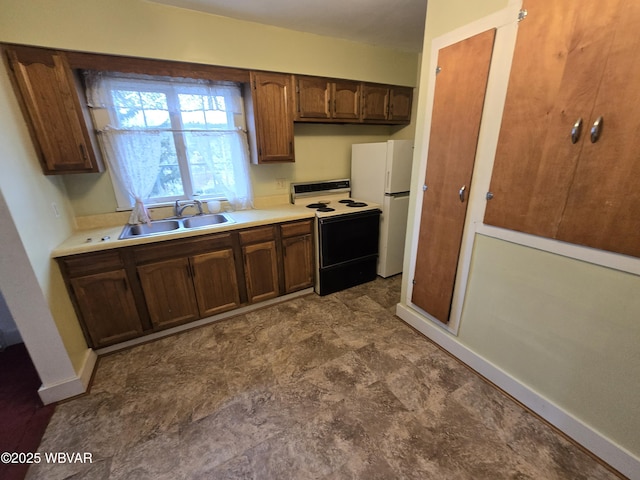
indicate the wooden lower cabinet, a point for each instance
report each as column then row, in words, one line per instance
column 169, row 293
column 124, row 293
column 297, row 255
column 215, row 282
column 261, row 271
column 107, row 307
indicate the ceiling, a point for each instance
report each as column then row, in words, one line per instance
column 396, row 24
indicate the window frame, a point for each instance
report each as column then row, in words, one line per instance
column 178, row 131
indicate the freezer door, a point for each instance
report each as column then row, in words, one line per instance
column 393, row 230
column 398, row 169
column 368, row 171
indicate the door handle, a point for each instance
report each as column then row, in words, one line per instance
column 461, row 193
column 576, row 131
column 596, row 130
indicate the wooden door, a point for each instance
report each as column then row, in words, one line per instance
column 107, row 307
column 375, row 102
column 48, row 90
column 215, row 282
column 169, row 293
column 400, row 104
column 261, row 271
column 603, row 206
column 298, row 262
column 345, row 97
column 558, row 63
column 273, row 116
column 313, row 97
column 459, row 98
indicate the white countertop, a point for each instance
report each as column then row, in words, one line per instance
column 84, row 241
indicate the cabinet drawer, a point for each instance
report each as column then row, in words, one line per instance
column 254, row 235
column 181, row 248
column 88, row 264
column 296, row 228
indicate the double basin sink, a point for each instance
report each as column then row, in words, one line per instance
column 170, row 225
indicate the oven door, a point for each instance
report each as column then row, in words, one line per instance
column 348, row 237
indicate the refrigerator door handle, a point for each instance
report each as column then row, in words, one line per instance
column 397, row 194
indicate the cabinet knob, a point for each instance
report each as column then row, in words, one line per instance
column 461, row 192
column 596, row 130
column 576, row 131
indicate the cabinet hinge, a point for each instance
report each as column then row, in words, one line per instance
column 522, row 14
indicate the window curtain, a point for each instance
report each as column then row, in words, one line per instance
column 133, row 155
column 134, row 158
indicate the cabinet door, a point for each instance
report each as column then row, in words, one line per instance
column 313, row 98
column 345, row 100
column 400, row 104
column 261, row 270
column 168, row 290
column 558, row 63
column 215, row 282
column 57, row 119
column 375, row 102
column 273, row 117
column 298, row 262
column 107, row 307
column 457, row 110
column 603, row 206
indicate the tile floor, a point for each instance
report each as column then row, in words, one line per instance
column 331, row 387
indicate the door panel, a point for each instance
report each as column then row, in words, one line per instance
column 168, row 290
column 457, row 110
column 215, row 282
column 599, row 211
column 557, row 67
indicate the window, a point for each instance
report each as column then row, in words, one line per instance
column 168, row 139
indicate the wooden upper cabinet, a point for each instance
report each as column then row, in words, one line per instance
column 573, row 63
column 59, row 121
column 375, row 102
column 400, row 100
column 320, row 99
column 386, row 104
column 271, row 113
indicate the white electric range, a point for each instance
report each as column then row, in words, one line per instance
column 346, row 234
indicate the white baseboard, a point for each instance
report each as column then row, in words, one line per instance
column 73, row 386
column 619, row 458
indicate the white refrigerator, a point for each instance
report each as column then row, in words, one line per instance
column 381, row 173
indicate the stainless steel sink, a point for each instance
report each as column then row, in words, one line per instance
column 204, row 220
column 159, row 227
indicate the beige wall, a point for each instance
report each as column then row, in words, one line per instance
column 29, row 196
column 564, row 328
column 139, row 28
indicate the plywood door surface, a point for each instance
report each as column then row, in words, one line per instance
column 603, row 205
column 457, row 110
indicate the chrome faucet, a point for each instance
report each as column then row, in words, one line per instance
column 179, row 209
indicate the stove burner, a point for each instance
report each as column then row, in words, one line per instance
column 326, row 209
column 356, row 204
column 317, row 205
column 346, row 200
